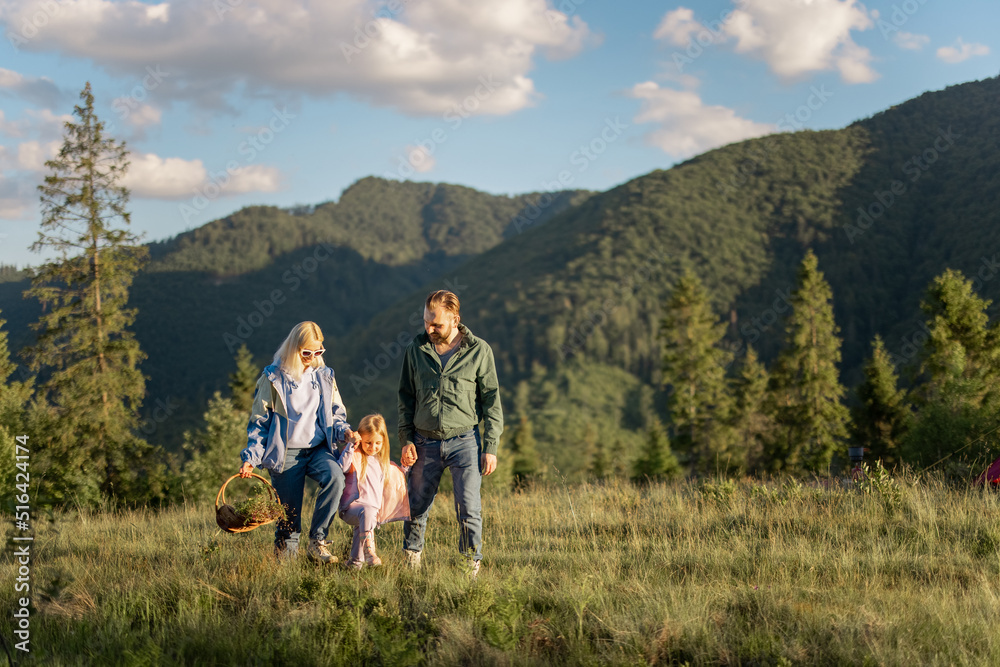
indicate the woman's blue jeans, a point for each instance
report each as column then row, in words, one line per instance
column 316, row 463
column 460, row 455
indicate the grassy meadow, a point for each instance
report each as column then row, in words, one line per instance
column 718, row 572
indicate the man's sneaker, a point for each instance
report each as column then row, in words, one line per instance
column 412, row 559
column 472, row 567
column 368, row 547
column 319, row 552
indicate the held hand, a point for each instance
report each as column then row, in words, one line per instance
column 246, row 469
column 352, row 437
column 488, row 463
column 409, row 455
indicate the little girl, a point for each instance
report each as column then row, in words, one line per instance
column 370, row 479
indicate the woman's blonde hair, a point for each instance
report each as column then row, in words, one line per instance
column 374, row 424
column 288, row 358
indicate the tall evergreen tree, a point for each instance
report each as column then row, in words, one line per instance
column 962, row 357
column 526, row 464
column 881, row 416
column 959, row 391
column 656, row 463
column 813, row 421
column 214, row 450
column 593, row 445
column 93, row 382
column 14, row 397
column 243, row 382
column 694, row 366
column 753, row 419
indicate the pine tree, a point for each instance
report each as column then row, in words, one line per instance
column 93, row 386
column 753, row 419
column 243, row 382
column 881, row 416
column 14, row 397
column 694, row 366
column 958, row 396
column 526, row 464
column 813, row 421
column 214, row 449
column 961, row 361
column 656, row 462
column 593, row 445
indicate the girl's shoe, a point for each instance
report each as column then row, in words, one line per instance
column 350, row 564
column 369, row 550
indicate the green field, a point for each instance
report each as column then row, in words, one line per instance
column 702, row 573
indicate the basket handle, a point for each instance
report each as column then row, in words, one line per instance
column 222, row 491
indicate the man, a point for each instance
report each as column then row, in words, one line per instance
column 448, row 384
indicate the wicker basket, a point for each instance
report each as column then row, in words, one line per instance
column 226, row 516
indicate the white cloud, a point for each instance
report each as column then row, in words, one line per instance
column 677, row 27
column 47, row 124
column 155, row 177
column 37, row 90
column 423, row 59
column 910, row 41
column 144, row 116
column 796, row 37
column 32, row 155
column 686, row 126
column 961, row 51
column 421, row 161
column 11, row 128
column 13, row 206
column 255, row 178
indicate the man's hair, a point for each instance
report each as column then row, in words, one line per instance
column 443, row 299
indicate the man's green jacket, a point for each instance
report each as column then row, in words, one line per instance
column 442, row 404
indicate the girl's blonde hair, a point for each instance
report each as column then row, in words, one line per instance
column 374, row 424
column 288, row 358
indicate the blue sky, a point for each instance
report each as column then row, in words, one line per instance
column 227, row 103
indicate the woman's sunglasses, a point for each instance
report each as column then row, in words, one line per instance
column 309, row 354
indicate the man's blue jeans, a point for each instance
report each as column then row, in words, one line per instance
column 460, row 455
column 316, row 463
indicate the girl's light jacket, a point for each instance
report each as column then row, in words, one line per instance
column 267, row 431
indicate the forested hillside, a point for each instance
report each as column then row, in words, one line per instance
column 576, row 302
column 573, row 307
column 248, row 277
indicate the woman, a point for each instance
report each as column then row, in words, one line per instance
column 296, row 418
